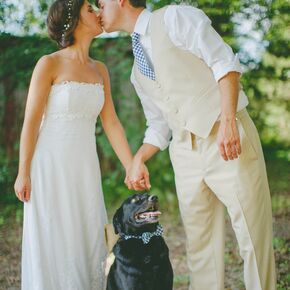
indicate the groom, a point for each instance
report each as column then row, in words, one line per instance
column 187, row 79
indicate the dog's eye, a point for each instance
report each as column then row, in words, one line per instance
column 135, row 199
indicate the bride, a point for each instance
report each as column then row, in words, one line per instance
column 59, row 181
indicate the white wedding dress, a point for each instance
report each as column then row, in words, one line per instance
column 63, row 245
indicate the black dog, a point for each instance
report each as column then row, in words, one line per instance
column 141, row 255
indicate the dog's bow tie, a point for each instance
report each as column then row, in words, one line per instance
column 145, row 237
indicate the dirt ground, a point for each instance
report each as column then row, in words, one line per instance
column 10, row 254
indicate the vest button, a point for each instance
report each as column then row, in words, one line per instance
column 167, row 98
column 176, row 111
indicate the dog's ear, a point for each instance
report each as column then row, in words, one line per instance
column 117, row 220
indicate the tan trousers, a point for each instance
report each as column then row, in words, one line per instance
column 205, row 184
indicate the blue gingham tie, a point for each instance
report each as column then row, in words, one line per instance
column 138, row 52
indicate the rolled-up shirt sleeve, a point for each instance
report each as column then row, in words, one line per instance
column 158, row 132
column 190, row 29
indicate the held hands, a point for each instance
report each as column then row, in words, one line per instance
column 137, row 176
column 22, row 187
column 228, row 139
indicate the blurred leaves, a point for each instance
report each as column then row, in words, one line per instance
column 266, row 81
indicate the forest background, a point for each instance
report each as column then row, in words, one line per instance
column 258, row 30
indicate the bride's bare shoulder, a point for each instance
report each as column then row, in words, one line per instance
column 48, row 60
column 54, row 58
column 47, row 66
column 99, row 64
column 51, row 62
column 101, row 67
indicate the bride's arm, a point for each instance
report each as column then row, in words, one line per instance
column 112, row 125
column 37, row 95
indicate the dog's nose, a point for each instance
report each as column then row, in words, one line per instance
column 153, row 198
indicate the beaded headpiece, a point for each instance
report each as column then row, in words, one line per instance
column 69, row 16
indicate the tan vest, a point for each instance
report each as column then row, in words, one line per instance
column 185, row 89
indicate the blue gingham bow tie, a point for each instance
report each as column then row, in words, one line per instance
column 142, row 62
column 146, row 237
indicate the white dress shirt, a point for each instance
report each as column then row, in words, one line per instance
column 190, row 29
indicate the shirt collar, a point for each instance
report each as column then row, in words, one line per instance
column 142, row 22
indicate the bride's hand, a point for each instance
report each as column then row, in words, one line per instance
column 137, row 176
column 22, row 187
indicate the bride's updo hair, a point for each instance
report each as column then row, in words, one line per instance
column 62, row 20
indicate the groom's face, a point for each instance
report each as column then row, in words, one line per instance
column 110, row 13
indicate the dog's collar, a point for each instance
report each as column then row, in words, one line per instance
column 146, row 236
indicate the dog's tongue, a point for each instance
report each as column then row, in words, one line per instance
column 150, row 214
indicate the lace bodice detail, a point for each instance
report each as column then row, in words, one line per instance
column 70, row 100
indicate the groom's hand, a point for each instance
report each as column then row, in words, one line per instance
column 228, row 139
column 137, row 177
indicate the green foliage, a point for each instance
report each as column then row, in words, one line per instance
column 266, row 84
column 23, row 17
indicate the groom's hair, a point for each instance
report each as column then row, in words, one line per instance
column 63, row 13
column 134, row 3
column 138, row 3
